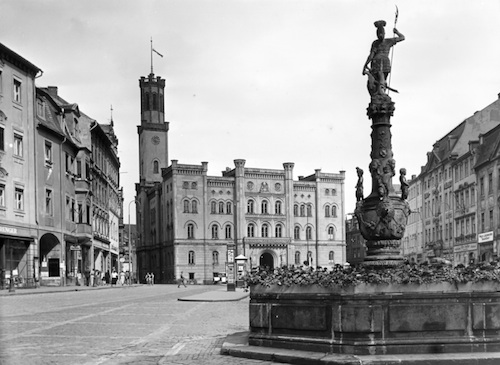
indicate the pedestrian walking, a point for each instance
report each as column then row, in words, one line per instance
column 122, row 278
column 181, row 281
column 152, row 278
column 114, row 277
column 147, row 278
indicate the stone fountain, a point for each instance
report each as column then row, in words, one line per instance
column 378, row 319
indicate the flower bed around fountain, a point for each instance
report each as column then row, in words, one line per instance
column 409, row 309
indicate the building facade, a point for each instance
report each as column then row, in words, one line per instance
column 446, row 204
column 60, row 199
column 18, row 219
column 190, row 222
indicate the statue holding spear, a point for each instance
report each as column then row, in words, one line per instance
column 380, row 65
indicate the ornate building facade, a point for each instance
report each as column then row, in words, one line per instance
column 453, row 197
column 191, row 222
column 60, row 201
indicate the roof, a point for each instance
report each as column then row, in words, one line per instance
column 17, row 60
column 488, row 148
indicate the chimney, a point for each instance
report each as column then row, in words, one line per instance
column 52, row 90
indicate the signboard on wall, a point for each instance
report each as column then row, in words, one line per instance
column 485, row 237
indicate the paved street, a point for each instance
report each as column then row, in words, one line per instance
column 132, row 325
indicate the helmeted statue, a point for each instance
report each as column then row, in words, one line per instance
column 379, row 59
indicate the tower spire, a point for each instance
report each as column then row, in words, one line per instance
column 111, row 115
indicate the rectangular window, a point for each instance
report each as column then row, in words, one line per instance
column 18, row 145
column 48, row 202
column 48, row 151
column 17, row 91
column 68, row 208
column 88, row 214
column 491, row 220
column 40, row 108
column 79, row 168
column 80, row 213
column 19, row 199
column 2, row 195
column 73, row 210
column 2, row 138
column 490, row 183
column 481, row 186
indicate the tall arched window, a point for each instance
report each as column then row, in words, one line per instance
column 194, row 206
column 251, row 230
column 228, row 207
column 309, row 210
column 250, row 207
column 191, row 258
column 221, row 207
column 296, row 210
column 215, row 231
column 213, row 207
column 156, row 167
column 215, row 258
column 334, row 211
column 331, row 233
column 228, row 231
column 265, row 230
column 186, row 206
column 296, row 232
column 297, row 257
column 327, row 211
column 278, row 230
column 309, row 233
column 264, row 207
column 190, row 231
column 302, row 210
column 277, row 207
column 331, row 257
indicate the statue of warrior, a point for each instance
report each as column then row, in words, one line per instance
column 379, row 59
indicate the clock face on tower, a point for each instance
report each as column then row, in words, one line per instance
column 155, row 140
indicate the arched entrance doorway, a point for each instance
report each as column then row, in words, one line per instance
column 50, row 255
column 266, row 260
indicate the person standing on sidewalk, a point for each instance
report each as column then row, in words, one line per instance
column 181, row 281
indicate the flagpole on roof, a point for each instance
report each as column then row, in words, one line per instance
column 152, row 56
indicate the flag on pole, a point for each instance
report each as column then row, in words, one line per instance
column 158, row 53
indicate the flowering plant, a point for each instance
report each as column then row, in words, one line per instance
column 351, row 276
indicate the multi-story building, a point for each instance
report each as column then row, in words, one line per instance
column 487, row 170
column 199, row 224
column 18, row 218
column 55, row 209
column 355, row 243
column 446, row 193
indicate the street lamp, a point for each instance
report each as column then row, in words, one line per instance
column 130, row 245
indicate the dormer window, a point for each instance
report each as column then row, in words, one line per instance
column 40, row 108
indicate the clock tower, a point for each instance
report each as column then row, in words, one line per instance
column 153, row 131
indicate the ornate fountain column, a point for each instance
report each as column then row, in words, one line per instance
column 382, row 215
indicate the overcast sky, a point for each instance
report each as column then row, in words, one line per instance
column 269, row 81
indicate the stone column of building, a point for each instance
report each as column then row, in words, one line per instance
column 240, row 221
column 289, row 198
column 317, row 173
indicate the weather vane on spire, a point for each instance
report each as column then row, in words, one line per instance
column 158, row 53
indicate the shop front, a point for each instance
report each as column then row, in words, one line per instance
column 465, row 254
column 485, row 241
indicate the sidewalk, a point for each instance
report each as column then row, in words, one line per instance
column 60, row 289
column 237, row 345
column 219, row 295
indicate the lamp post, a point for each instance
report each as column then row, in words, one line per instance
column 130, row 245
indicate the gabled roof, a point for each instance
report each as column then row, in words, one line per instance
column 488, row 148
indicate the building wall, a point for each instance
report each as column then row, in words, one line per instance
column 18, row 243
column 447, row 194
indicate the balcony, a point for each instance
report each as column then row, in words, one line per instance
column 267, row 242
